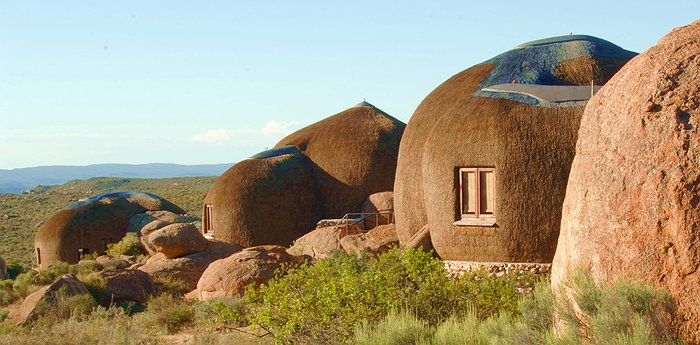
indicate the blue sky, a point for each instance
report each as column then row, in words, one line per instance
column 217, row 81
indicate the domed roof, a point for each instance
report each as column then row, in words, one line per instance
column 275, row 152
column 553, row 72
column 129, row 194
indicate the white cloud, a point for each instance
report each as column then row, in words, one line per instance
column 213, row 135
column 278, row 127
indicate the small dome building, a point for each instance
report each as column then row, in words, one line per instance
column 89, row 225
column 485, row 158
column 321, row 171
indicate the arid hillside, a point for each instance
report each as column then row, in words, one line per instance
column 22, row 214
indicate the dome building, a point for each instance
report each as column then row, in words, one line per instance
column 485, row 158
column 324, row 170
column 89, row 225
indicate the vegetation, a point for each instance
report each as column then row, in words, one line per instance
column 326, row 301
column 403, row 296
column 21, row 215
column 622, row 313
column 129, row 245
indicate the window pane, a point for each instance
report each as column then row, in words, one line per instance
column 487, row 185
column 468, row 192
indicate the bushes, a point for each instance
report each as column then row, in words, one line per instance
column 165, row 311
column 129, row 245
column 621, row 313
column 326, row 301
column 222, row 312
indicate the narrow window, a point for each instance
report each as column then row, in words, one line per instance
column 478, row 194
column 208, row 211
column 38, row 256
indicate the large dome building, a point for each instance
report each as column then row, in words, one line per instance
column 324, row 170
column 485, row 158
column 89, row 225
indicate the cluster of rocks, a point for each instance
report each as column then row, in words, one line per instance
column 497, row 269
column 123, row 285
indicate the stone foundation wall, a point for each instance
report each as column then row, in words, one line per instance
column 498, row 269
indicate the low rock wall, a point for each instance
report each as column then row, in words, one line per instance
column 498, row 269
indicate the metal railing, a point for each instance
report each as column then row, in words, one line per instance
column 354, row 218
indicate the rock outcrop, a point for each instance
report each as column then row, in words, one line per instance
column 375, row 241
column 631, row 206
column 65, row 286
column 176, row 240
column 107, row 261
column 188, row 268
column 319, row 243
column 381, row 203
column 229, row 277
column 127, row 285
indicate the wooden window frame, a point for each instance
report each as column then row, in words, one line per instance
column 479, row 218
column 207, row 218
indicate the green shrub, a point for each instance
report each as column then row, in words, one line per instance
column 326, row 301
column 394, row 329
column 64, row 307
column 615, row 313
column 130, row 244
column 102, row 326
column 620, row 313
column 222, row 313
column 167, row 312
column 7, row 292
column 169, row 286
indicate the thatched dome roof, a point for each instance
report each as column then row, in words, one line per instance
column 271, row 198
column 519, row 113
column 354, row 153
column 94, row 222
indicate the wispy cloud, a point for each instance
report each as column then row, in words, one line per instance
column 278, row 127
column 213, row 135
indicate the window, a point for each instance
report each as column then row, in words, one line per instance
column 477, row 196
column 207, row 226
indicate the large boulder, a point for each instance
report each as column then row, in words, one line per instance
column 320, row 242
column 65, row 286
column 188, row 268
column 177, row 240
column 420, row 239
column 107, row 261
column 631, row 206
column 229, row 277
column 381, row 203
column 127, row 285
column 375, row 241
column 147, row 222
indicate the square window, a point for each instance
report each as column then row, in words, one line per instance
column 477, row 196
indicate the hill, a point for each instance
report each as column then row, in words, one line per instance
column 19, row 180
column 22, row 214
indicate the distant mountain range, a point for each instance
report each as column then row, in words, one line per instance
column 16, row 181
